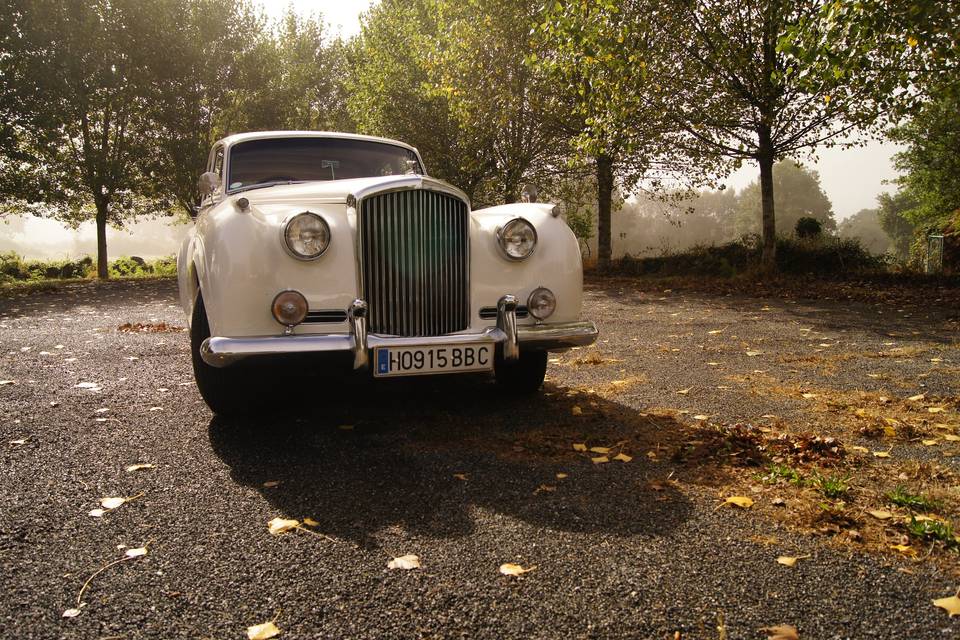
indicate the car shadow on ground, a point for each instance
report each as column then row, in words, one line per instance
column 423, row 454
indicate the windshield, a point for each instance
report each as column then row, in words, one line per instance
column 285, row 160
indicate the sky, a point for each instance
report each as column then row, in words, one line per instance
column 851, row 178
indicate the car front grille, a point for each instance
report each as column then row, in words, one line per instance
column 415, row 262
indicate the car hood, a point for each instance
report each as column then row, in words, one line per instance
column 341, row 191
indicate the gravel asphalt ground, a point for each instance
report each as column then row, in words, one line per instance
column 447, row 469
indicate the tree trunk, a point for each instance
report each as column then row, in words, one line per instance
column 102, row 271
column 765, row 159
column 604, row 205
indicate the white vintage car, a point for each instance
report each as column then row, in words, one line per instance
column 338, row 248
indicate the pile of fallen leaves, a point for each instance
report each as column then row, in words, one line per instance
column 142, row 327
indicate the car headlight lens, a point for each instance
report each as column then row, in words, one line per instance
column 289, row 308
column 542, row 303
column 517, row 239
column 306, row 235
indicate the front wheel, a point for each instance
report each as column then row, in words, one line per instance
column 222, row 389
column 522, row 376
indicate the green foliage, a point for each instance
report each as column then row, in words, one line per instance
column 828, row 258
column 807, row 227
column 932, row 530
column 782, row 472
column 833, row 486
column 14, row 268
column 902, row 497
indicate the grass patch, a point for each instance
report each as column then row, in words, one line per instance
column 833, row 486
column 932, row 530
column 781, row 473
column 902, row 497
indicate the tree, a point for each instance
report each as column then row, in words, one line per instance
column 930, row 163
column 798, row 194
column 864, row 226
column 898, row 228
column 589, row 54
column 74, row 100
column 391, row 89
column 732, row 95
column 893, row 50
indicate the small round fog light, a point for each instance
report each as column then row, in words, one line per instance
column 542, row 303
column 289, row 308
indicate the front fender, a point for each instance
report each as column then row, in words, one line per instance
column 555, row 263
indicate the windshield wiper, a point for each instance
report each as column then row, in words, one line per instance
column 272, row 183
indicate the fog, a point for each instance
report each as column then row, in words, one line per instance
column 43, row 238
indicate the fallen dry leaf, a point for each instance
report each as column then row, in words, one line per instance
column 880, row 514
column 754, row 353
column 579, row 447
column 684, row 392
column 136, row 553
column 715, row 332
column 622, row 457
column 345, row 427
column 701, row 417
column 409, row 561
column 310, row 522
column 460, row 476
column 4, row 383
column 561, row 476
column 576, row 410
column 70, row 613
column 790, row 561
column 600, row 460
column 881, row 454
column 741, row 501
column 917, row 398
column 282, row 525
column 781, row 632
column 951, row 437
column 138, row 466
column 96, row 513
column 263, row 631
column 936, row 409
column 270, row 484
column 928, row 443
column 905, row 549
column 809, row 395
column 114, row 502
column 951, row 605
column 511, row 569
column 600, row 449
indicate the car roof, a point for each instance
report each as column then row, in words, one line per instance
column 260, row 135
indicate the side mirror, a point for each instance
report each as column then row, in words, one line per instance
column 208, row 183
column 528, row 194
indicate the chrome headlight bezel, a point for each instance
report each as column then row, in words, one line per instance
column 502, row 231
column 285, row 239
column 531, row 306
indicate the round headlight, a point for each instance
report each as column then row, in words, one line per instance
column 517, row 239
column 306, row 236
column 542, row 303
column 289, row 308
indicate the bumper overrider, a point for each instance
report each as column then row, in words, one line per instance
column 222, row 352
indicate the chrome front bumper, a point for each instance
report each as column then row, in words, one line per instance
column 222, row 352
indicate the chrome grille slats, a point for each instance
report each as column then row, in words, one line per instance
column 415, row 262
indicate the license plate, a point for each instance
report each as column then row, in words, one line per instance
column 449, row 358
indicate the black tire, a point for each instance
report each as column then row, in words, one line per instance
column 523, row 376
column 224, row 391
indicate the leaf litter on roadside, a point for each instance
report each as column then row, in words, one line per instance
column 515, row 570
column 407, row 562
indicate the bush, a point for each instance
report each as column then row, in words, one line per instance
column 13, row 268
column 808, row 228
column 830, row 257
